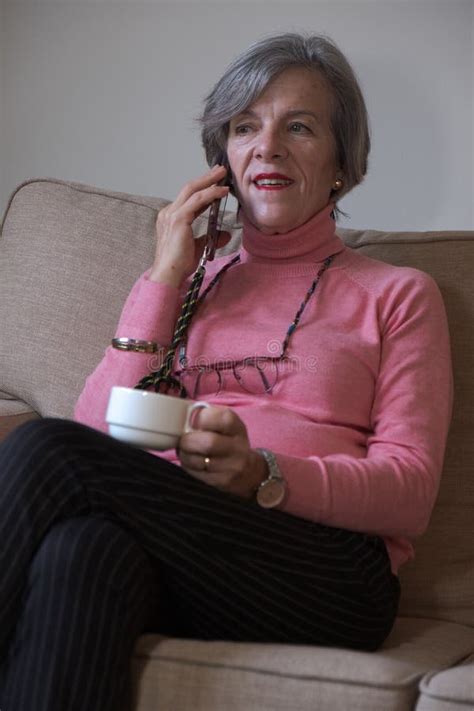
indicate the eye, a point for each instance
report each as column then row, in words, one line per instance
column 298, row 127
column 242, row 129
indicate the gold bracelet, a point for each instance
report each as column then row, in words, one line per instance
column 135, row 345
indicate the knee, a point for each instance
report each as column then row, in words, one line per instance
column 86, row 553
column 40, row 440
column 42, row 430
column 38, row 433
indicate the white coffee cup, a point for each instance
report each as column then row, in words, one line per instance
column 148, row 419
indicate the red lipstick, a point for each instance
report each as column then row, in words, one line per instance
column 272, row 181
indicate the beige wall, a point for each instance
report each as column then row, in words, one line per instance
column 106, row 91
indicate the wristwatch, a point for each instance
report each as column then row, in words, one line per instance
column 272, row 490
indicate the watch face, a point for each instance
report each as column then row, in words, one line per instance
column 271, row 493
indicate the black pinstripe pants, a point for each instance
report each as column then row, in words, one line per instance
column 101, row 541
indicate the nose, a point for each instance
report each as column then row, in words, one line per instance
column 270, row 144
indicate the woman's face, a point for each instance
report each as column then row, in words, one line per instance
column 282, row 152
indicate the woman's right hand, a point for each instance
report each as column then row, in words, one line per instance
column 177, row 251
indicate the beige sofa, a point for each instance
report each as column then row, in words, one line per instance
column 69, row 254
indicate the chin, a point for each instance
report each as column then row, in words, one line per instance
column 273, row 224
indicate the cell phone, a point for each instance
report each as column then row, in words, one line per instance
column 212, row 230
column 213, row 223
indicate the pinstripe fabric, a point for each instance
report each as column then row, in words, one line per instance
column 226, row 568
column 89, row 594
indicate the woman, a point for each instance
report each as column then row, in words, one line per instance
column 286, row 516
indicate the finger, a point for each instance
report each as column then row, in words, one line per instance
column 203, row 443
column 222, row 420
column 197, row 203
column 212, row 473
column 211, row 178
column 196, row 462
column 204, row 467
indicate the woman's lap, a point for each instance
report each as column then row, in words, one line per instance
column 228, row 569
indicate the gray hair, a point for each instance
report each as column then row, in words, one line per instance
column 251, row 72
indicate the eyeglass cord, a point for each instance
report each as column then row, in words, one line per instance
column 163, row 376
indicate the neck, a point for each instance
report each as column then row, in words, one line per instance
column 311, row 242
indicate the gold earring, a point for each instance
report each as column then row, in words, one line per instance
column 337, row 185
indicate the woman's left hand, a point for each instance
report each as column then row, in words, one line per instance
column 222, row 437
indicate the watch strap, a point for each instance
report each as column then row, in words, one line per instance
column 271, row 490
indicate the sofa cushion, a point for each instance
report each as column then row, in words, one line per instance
column 69, row 254
column 448, row 690
column 194, row 675
column 67, row 261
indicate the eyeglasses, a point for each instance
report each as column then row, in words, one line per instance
column 255, row 375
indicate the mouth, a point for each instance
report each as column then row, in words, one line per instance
column 272, row 181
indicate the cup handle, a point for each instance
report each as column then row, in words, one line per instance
column 200, row 405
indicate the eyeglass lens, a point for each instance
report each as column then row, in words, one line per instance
column 255, row 377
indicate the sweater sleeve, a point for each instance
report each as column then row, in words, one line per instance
column 149, row 314
column 391, row 491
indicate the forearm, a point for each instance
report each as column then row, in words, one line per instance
column 148, row 314
column 382, row 495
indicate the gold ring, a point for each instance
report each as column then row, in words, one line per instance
column 207, row 461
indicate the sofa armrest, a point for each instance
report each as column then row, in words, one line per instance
column 9, row 422
column 13, row 413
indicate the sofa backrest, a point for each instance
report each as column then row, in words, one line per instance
column 69, row 254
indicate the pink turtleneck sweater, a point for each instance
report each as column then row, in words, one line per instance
column 359, row 424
